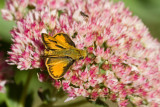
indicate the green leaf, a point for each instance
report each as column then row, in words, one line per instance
column 14, row 92
column 2, row 98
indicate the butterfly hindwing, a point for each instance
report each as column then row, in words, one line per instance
column 58, row 66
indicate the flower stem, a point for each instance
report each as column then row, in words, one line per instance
column 24, row 91
column 98, row 102
column 78, row 103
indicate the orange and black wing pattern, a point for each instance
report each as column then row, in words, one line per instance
column 58, row 66
column 58, row 41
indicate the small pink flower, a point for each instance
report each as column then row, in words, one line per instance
column 90, row 49
column 72, row 93
column 42, row 77
column 81, row 91
column 93, row 82
column 113, row 97
column 104, row 92
column 93, row 71
column 99, row 51
column 106, row 54
column 89, row 39
column 94, row 95
column 57, row 84
column 88, row 60
column 99, row 40
column 114, row 59
column 75, row 80
column 84, row 76
column 123, row 103
column 6, row 15
column 65, row 85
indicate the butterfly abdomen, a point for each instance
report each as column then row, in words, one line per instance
column 45, row 52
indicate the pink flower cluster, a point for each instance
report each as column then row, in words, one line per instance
column 17, row 9
column 123, row 62
column 6, row 72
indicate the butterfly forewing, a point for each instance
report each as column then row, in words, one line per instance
column 50, row 42
column 64, row 39
column 58, row 66
column 59, row 41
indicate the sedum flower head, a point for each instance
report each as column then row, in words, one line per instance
column 123, row 59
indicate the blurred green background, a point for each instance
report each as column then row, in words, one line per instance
column 147, row 10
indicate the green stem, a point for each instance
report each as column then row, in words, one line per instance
column 24, row 91
column 78, row 103
column 98, row 102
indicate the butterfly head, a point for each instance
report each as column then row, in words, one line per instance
column 83, row 54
